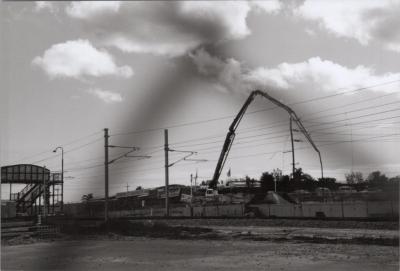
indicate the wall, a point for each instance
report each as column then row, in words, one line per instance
column 228, row 210
column 361, row 209
column 357, row 209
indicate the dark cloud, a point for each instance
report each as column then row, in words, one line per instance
column 165, row 28
column 386, row 25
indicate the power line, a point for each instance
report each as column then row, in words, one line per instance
column 236, row 143
column 278, row 124
column 249, row 155
column 63, row 145
column 159, row 168
column 256, row 111
column 263, row 110
column 66, row 152
column 252, row 136
column 283, row 131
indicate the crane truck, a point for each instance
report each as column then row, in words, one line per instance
column 232, row 129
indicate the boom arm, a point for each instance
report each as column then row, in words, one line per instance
column 232, row 129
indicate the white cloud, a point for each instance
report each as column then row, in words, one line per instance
column 365, row 21
column 318, row 74
column 43, row 5
column 314, row 74
column 310, row 32
column 88, row 9
column 165, row 28
column 272, row 6
column 166, row 47
column 105, row 95
column 79, row 58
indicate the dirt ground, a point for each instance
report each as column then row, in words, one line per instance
column 139, row 253
column 313, row 223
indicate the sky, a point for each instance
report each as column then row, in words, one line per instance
column 71, row 69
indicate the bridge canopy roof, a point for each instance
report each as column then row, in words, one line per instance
column 24, row 174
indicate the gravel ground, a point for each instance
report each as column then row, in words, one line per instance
column 138, row 253
column 339, row 224
column 211, row 244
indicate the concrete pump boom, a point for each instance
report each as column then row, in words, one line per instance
column 232, row 129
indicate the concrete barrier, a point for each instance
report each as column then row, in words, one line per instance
column 338, row 209
column 360, row 209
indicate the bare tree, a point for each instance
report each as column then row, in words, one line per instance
column 354, row 177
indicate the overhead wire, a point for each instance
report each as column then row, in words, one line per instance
column 257, row 111
column 263, row 110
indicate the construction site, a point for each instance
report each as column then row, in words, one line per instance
column 273, row 208
column 43, row 194
column 200, row 135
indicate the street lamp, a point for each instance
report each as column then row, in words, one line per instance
column 62, row 176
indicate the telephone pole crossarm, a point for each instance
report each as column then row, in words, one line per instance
column 107, row 163
column 133, row 149
column 183, row 158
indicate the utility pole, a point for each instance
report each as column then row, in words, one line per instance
column 191, row 184
column 127, row 187
column 106, row 174
column 62, row 176
column 53, row 195
column 167, row 165
column 44, row 192
column 195, row 181
column 291, row 138
column 166, row 150
column 107, row 163
column 62, row 180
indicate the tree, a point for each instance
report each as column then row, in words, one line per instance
column 284, row 184
column 395, row 180
column 354, row 178
column 299, row 175
column 377, row 179
column 298, row 172
column 393, row 187
column 327, row 182
column 267, row 181
column 139, row 188
column 249, row 181
column 87, row 197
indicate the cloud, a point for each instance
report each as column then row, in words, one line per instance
column 313, row 74
column 318, row 74
column 366, row 21
column 273, row 6
column 230, row 17
column 88, row 9
column 79, row 58
column 165, row 28
column 44, row 5
column 226, row 74
column 105, row 95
